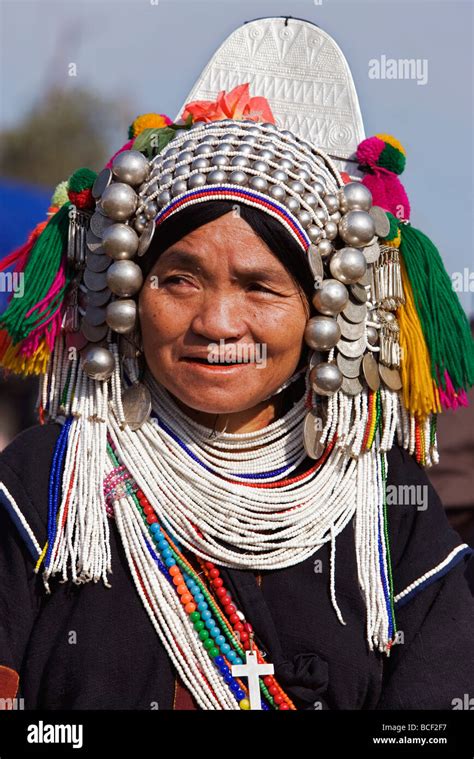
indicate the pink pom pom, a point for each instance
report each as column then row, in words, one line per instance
column 128, row 146
column 369, row 151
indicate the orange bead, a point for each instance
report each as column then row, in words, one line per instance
column 190, row 607
column 178, row 579
column 181, row 589
column 186, row 598
column 174, row 570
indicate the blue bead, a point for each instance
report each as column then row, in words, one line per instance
column 210, row 624
column 202, row 606
column 169, row 561
column 241, row 694
column 238, row 660
column 219, row 660
column 225, row 648
column 234, row 686
column 192, row 586
column 206, row 614
column 199, row 597
column 167, row 552
column 220, row 640
column 265, row 707
column 155, row 528
column 231, row 655
column 228, row 679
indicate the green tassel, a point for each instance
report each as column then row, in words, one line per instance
column 443, row 321
column 39, row 274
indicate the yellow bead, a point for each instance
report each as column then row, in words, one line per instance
column 244, row 704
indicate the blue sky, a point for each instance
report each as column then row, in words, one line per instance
column 148, row 53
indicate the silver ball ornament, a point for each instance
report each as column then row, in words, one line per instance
column 277, row 192
column 357, row 228
column 331, row 230
column 130, row 167
column 238, row 177
column 120, row 241
column 355, row 196
column 331, row 297
column 217, row 176
column 124, row 278
column 119, row 201
column 258, row 183
column 331, row 203
column 322, row 333
column 120, row 315
column 348, row 265
column 325, row 248
column 98, row 363
column 326, row 379
column 196, row 180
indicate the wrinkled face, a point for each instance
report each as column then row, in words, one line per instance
column 222, row 320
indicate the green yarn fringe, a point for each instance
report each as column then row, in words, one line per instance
column 443, row 321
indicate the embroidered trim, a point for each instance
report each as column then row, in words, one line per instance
column 456, row 555
column 19, row 520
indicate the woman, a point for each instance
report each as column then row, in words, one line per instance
column 218, row 449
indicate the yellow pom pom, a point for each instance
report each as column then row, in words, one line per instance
column 148, row 121
column 392, row 141
column 244, row 704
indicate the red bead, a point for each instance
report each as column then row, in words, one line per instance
column 218, row 582
column 214, row 573
column 186, row 598
column 278, row 699
column 283, row 707
column 174, row 570
column 268, row 680
column 230, row 609
column 151, row 518
column 246, row 644
column 140, row 494
column 220, row 592
column 209, row 564
column 248, row 627
column 190, row 607
column 148, row 509
column 225, row 600
column 233, row 619
column 273, row 690
column 244, row 635
column 238, row 626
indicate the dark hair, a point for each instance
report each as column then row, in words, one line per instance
column 270, row 230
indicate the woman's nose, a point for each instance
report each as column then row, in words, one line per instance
column 220, row 317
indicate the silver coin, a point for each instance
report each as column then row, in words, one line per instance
column 146, row 238
column 371, row 372
column 350, row 367
column 366, row 279
column 99, row 223
column 93, row 242
column 94, row 315
column 355, row 312
column 371, row 252
column 312, row 430
column 359, row 293
column 315, row 263
column 99, row 298
column 353, row 348
column 391, row 377
column 380, row 218
column 136, row 402
column 97, row 262
column 94, row 333
column 349, row 330
column 95, row 280
column 101, row 183
column 351, row 386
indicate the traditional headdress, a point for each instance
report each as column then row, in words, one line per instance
column 390, row 347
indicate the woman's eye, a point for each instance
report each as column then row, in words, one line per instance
column 175, row 279
column 261, row 288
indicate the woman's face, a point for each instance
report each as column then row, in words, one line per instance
column 217, row 294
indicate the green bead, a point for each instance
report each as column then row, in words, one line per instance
column 203, row 635
column 199, row 625
column 194, row 616
column 208, row 644
column 213, row 652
